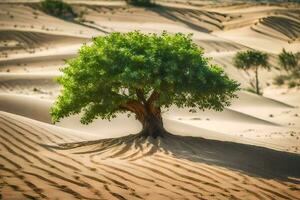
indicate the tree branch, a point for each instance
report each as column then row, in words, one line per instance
column 153, row 97
column 136, row 107
column 140, row 95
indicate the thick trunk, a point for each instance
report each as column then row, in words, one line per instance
column 152, row 126
column 147, row 113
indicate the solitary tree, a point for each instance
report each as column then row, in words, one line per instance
column 252, row 60
column 140, row 73
column 288, row 61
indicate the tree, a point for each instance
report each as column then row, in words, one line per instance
column 142, row 74
column 288, row 61
column 252, row 59
column 58, row 8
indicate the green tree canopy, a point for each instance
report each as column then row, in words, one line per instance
column 252, row 60
column 140, row 73
column 288, row 61
column 58, row 8
column 140, row 2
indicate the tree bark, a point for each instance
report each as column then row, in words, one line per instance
column 256, row 81
column 152, row 119
column 152, row 126
column 147, row 113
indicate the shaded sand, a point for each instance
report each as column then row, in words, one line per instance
column 27, row 17
column 38, row 163
column 37, row 84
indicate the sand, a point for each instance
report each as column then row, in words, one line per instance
column 37, row 162
column 251, row 150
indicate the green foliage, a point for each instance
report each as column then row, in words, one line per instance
column 251, row 59
column 58, row 8
column 280, row 80
column 288, row 61
column 107, row 74
column 146, row 3
column 292, row 84
column 292, row 79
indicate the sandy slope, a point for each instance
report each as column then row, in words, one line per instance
column 38, row 84
column 38, row 163
column 249, row 151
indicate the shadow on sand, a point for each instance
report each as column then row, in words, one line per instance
column 179, row 15
column 252, row 160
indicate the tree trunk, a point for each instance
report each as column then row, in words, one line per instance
column 256, row 81
column 147, row 113
column 152, row 126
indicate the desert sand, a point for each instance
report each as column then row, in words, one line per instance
column 251, row 150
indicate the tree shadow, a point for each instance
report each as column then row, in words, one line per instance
column 249, row 159
column 177, row 15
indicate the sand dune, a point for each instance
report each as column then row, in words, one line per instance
column 26, row 106
column 31, row 39
column 43, row 106
column 32, row 51
column 276, row 25
column 25, row 17
column 37, row 163
column 290, row 96
column 268, row 23
column 31, row 84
